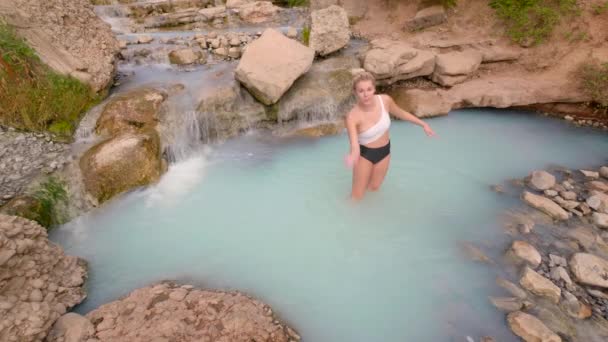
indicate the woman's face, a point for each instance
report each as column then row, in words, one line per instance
column 364, row 91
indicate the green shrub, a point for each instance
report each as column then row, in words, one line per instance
column 532, row 21
column 296, row 3
column 51, row 197
column 32, row 96
column 593, row 80
column 306, row 35
column 600, row 8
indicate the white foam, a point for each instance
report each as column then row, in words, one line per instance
column 181, row 178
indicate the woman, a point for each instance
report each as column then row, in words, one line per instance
column 368, row 125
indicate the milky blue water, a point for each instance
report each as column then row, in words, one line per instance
column 271, row 218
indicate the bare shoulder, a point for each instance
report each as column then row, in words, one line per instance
column 386, row 98
column 354, row 115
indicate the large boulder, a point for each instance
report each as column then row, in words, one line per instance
column 131, row 111
column 324, row 93
column 545, row 205
column 530, row 328
column 391, row 61
column 268, row 74
column 228, row 110
column 68, row 36
column 590, row 269
column 329, row 30
column 258, row 11
column 124, row 162
column 183, row 313
column 39, row 282
column 455, row 67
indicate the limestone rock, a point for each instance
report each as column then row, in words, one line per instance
column 329, row 30
column 213, row 12
column 590, row 174
column 598, row 185
column 604, row 171
column 198, row 315
column 237, row 3
column 392, row 61
column 258, row 11
column 530, row 328
column 321, row 4
column 541, row 180
column 427, row 17
column 126, row 161
column 600, row 220
column 589, row 269
column 68, row 36
column 72, row 327
column 525, row 252
column 187, row 56
column 490, row 91
column 512, row 288
column 508, row 304
column 545, row 205
column 38, row 280
column 539, row 285
column 267, row 74
column 324, row 93
column 131, row 111
column 454, row 67
column 598, row 202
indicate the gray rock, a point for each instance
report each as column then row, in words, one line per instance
column 427, row 17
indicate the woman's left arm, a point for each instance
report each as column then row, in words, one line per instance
column 403, row 115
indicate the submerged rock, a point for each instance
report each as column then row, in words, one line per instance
column 187, row 56
column 541, row 180
column 530, row 328
column 124, row 162
column 39, row 282
column 525, row 252
column 329, row 30
column 590, row 269
column 545, row 205
column 539, row 285
column 187, row 314
column 267, row 74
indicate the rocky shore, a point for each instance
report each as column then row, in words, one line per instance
column 558, row 258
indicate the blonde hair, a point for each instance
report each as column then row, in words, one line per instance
column 363, row 76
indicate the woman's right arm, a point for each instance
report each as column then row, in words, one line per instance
column 351, row 128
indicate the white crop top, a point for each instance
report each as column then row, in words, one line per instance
column 377, row 130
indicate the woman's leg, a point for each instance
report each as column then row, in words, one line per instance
column 361, row 176
column 378, row 173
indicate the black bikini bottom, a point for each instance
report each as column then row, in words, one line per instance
column 375, row 155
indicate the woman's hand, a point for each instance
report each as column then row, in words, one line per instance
column 428, row 130
column 351, row 159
